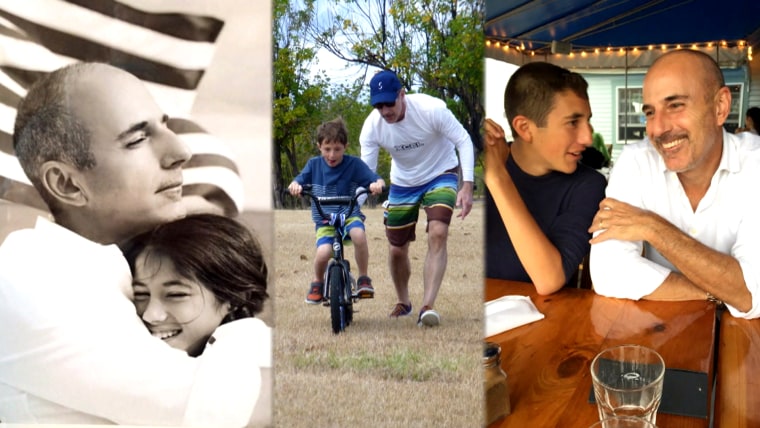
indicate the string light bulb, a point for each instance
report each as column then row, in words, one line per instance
column 519, row 46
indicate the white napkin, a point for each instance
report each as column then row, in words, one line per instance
column 508, row 312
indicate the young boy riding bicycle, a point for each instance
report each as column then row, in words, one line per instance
column 335, row 173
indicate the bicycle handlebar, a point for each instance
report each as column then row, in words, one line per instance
column 319, row 201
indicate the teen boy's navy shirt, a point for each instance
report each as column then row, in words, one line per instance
column 563, row 205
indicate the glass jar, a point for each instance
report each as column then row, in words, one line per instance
column 495, row 384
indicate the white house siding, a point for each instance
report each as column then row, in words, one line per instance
column 603, row 96
column 602, row 115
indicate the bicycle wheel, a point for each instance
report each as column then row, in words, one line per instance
column 337, row 299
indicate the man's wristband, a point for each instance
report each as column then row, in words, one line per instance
column 711, row 298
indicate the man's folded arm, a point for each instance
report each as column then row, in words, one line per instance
column 81, row 345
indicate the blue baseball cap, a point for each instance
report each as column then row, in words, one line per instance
column 384, row 87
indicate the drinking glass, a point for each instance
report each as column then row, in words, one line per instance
column 623, row 422
column 628, row 382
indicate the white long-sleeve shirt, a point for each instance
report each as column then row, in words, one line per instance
column 727, row 218
column 422, row 145
column 72, row 348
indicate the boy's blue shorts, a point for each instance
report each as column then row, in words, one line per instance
column 325, row 233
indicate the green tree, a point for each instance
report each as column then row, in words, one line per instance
column 297, row 97
column 435, row 46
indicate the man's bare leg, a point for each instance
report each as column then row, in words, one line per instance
column 401, row 270
column 435, row 261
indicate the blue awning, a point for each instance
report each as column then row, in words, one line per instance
column 622, row 23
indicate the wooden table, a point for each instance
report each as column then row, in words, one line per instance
column 547, row 362
column 737, row 403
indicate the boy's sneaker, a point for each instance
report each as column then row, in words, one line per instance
column 401, row 310
column 314, row 297
column 428, row 317
column 364, row 288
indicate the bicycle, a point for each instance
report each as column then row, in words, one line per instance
column 340, row 289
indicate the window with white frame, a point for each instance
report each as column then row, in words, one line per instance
column 631, row 122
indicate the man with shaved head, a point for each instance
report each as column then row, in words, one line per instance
column 97, row 148
column 681, row 219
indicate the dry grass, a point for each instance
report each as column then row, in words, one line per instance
column 381, row 371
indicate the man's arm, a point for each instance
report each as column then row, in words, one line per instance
column 370, row 148
column 455, row 132
column 450, row 127
column 464, row 199
column 540, row 258
column 703, row 269
column 676, row 287
column 77, row 341
column 619, row 268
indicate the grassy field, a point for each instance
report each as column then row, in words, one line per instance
column 381, row 371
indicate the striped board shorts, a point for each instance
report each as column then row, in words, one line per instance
column 438, row 198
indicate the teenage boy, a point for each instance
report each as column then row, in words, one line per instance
column 334, row 173
column 96, row 147
column 540, row 200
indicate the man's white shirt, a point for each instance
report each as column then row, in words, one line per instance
column 72, row 345
column 727, row 218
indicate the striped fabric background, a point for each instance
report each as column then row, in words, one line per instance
column 169, row 50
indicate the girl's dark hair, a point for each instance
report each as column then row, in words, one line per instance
column 219, row 252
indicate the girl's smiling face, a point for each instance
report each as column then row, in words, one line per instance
column 178, row 310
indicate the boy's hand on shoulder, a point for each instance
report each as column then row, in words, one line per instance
column 496, row 147
column 496, row 152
